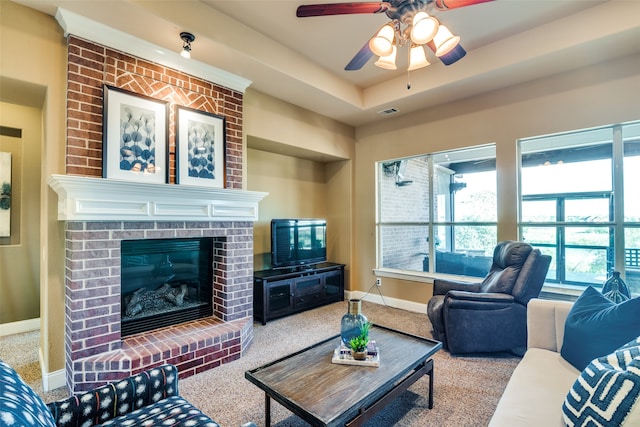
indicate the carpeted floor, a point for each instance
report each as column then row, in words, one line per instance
column 466, row 389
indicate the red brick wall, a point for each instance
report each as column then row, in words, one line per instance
column 92, row 65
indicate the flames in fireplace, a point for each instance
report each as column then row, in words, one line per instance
column 165, row 282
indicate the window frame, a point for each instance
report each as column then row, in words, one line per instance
column 616, row 224
column 431, row 223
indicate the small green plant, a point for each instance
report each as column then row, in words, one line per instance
column 359, row 343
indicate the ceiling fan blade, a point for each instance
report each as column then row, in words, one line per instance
column 456, row 54
column 455, row 4
column 361, row 58
column 305, row 11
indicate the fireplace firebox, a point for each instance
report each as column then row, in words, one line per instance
column 165, row 282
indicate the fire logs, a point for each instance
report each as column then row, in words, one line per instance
column 144, row 301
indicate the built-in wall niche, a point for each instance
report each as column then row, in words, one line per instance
column 165, row 282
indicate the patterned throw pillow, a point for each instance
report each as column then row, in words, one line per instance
column 19, row 404
column 607, row 392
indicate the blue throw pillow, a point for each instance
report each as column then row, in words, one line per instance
column 607, row 392
column 596, row 326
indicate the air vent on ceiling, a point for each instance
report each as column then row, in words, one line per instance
column 388, row 111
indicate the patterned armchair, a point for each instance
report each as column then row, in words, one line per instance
column 489, row 316
column 149, row 398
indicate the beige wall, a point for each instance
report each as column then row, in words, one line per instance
column 340, row 238
column 300, row 188
column 296, row 187
column 19, row 261
column 594, row 96
column 287, row 129
column 41, row 74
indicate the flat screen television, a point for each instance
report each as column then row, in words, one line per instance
column 298, row 242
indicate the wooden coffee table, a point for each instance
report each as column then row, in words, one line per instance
column 327, row 394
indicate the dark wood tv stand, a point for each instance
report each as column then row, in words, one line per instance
column 280, row 292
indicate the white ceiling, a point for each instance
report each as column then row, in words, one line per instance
column 301, row 60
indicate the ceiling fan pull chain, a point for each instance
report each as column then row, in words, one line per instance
column 408, row 79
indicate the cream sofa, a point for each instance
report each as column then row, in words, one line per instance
column 542, row 379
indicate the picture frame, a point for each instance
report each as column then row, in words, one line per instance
column 200, row 148
column 135, row 137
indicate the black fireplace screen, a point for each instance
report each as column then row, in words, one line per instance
column 165, row 282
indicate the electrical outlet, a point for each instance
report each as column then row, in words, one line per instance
column 378, row 282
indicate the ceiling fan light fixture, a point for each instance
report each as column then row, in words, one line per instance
column 410, row 23
column 417, row 58
column 424, row 28
column 388, row 62
column 444, row 41
column 382, row 43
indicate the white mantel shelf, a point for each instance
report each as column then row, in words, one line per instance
column 97, row 199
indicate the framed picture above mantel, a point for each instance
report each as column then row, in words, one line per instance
column 200, row 148
column 135, row 137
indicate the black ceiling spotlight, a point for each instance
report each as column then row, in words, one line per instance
column 187, row 39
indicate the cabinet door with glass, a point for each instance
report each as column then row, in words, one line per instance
column 334, row 286
column 279, row 297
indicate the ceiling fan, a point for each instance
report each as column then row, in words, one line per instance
column 410, row 25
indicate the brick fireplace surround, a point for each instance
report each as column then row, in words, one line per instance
column 95, row 227
column 99, row 213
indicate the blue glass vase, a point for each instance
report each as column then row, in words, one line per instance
column 352, row 321
column 615, row 289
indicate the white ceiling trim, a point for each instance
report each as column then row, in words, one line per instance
column 97, row 32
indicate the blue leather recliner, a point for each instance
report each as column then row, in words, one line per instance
column 489, row 316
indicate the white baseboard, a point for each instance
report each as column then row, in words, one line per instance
column 379, row 298
column 19, row 327
column 51, row 380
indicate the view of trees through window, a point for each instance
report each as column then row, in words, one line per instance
column 577, row 204
column 476, row 202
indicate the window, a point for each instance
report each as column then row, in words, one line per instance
column 452, row 215
column 577, row 204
